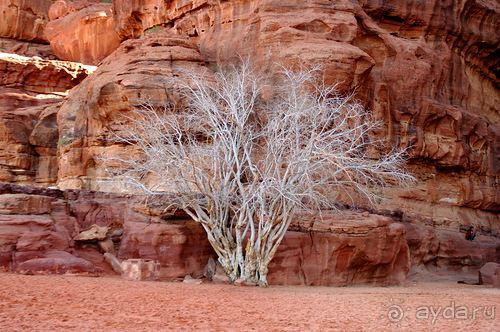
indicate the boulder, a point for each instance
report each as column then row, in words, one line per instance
column 219, row 276
column 192, row 281
column 496, row 280
column 488, row 274
column 94, row 233
column 140, row 269
column 241, row 282
column 56, row 262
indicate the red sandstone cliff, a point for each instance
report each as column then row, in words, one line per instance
column 428, row 69
column 39, row 233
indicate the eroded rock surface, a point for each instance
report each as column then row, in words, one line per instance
column 426, row 70
column 342, row 250
column 446, row 250
column 36, row 75
column 24, row 19
column 181, row 246
column 435, row 86
column 82, row 31
column 488, row 274
column 28, row 49
column 137, row 73
column 31, row 90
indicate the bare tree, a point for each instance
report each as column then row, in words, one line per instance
column 243, row 165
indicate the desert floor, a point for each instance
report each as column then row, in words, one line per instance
column 61, row 303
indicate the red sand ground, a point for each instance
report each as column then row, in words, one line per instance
column 56, row 303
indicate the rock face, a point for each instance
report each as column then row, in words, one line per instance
column 24, row 19
column 82, row 32
column 427, row 69
column 446, row 250
column 445, row 112
column 22, row 28
column 31, row 90
column 41, row 232
column 181, row 247
column 342, row 250
column 28, row 49
column 29, row 145
column 286, row 32
column 36, row 232
column 51, row 231
column 133, row 18
column 40, row 76
column 25, row 204
column 137, row 72
column 446, row 109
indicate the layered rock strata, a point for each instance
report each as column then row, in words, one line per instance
column 137, row 73
column 426, row 71
column 342, row 250
column 41, row 232
column 31, row 90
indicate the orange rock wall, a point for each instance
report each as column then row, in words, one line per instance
column 39, row 228
column 427, row 69
column 82, row 31
column 24, row 19
column 31, row 91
